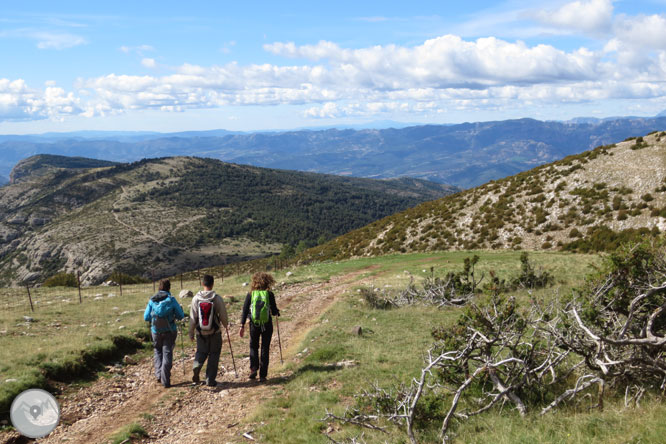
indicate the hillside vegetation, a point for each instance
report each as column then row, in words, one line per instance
column 588, row 202
column 164, row 216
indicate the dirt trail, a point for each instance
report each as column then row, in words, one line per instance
column 198, row 414
column 128, row 226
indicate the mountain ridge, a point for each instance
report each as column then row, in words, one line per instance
column 465, row 155
column 168, row 215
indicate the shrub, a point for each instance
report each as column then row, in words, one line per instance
column 530, row 277
column 127, row 279
column 639, row 144
column 61, row 280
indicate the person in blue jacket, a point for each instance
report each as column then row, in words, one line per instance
column 162, row 312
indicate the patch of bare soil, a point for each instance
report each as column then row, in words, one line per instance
column 188, row 413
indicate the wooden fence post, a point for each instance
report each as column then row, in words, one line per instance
column 32, row 308
column 78, row 284
column 199, row 276
column 181, row 281
column 152, row 277
column 120, row 285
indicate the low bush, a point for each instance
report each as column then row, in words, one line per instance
column 61, row 280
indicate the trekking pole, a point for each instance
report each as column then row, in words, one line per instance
column 182, row 347
column 232, row 351
column 279, row 342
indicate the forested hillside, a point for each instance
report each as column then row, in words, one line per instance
column 163, row 216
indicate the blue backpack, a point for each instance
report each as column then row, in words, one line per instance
column 162, row 315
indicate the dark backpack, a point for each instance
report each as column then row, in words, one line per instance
column 259, row 314
column 206, row 312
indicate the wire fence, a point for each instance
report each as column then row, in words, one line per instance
column 31, row 299
column 28, row 300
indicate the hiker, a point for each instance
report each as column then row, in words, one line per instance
column 162, row 312
column 259, row 306
column 207, row 314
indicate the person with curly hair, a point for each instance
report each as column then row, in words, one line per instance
column 259, row 306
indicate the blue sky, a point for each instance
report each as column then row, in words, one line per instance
column 172, row 66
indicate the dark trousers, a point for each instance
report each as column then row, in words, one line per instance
column 163, row 344
column 208, row 346
column 265, row 335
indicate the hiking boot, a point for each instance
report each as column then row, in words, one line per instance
column 195, row 375
column 211, row 383
column 253, row 374
column 262, row 379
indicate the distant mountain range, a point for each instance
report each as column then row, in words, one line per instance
column 176, row 214
column 593, row 201
column 465, row 155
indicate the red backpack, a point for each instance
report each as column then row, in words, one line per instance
column 206, row 312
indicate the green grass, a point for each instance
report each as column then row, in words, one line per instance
column 130, row 432
column 391, row 350
column 612, row 425
column 67, row 340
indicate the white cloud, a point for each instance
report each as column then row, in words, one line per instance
column 46, row 39
column 140, row 49
column 648, row 32
column 448, row 61
column 226, row 48
column 593, row 16
column 148, row 62
column 446, row 72
column 59, row 41
column 19, row 102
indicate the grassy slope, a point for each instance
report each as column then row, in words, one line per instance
column 67, row 339
column 567, row 201
column 391, row 350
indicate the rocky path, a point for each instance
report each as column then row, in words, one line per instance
column 188, row 413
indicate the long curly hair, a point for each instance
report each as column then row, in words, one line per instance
column 262, row 281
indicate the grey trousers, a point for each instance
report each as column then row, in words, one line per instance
column 209, row 346
column 163, row 344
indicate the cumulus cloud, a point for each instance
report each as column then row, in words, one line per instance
column 19, row 102
column 447, row 72
column 449, row 61
column 592, row 16
column 648, row 32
